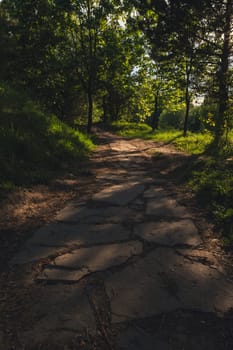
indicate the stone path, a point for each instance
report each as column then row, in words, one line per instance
column 122, row 259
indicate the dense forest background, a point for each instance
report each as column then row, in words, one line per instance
column 153, row 61
column 68, row 64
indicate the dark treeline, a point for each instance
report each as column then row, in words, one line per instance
column 107, row 60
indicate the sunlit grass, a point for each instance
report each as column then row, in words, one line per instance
column 132, row 130
column 194, row 143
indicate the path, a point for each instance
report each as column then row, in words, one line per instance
column 124, row 267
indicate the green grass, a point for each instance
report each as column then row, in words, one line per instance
column 34, row 145
column 194, row 143
column 132, row 130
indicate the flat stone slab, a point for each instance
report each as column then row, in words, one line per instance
column 58, row 313
column 52, row 238
column 82, row 214
column 138, row 339
column 165, row 281
column 182, row 232
column 119, row 195
column 166, row 207
column 202, row 256
column 51, row 273
column 145, row 180
column 155, row 192
column 81, row 262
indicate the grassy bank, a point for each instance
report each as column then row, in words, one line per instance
column 34, row 145
column 209, row 177
column 194, row 143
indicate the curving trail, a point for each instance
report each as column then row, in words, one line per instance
column 126, row 266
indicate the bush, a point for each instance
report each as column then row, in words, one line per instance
column 172, row 120
column 212, row 181
column 131, row 130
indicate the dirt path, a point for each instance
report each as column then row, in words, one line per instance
column 124, row 266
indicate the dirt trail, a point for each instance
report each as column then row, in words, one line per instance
column 125, row 266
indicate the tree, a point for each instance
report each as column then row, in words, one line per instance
column 170, row 27
column 121, row 56
column 37, row 30
column 90, row 19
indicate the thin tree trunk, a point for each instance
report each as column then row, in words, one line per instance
column 90, row 110
column 90, row 70
column 104, row 105
column 223, row 78
column 156, row 113
column 186, row 118
column 187, row 99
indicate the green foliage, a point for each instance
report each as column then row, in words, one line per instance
column 172, row 120
column 34, row 144
column 201, row 118
column 205, row 114
column 212, row 181
column 131, row 130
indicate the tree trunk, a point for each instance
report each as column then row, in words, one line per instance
column 156, row 113
column 187, row 99
column 91, row 68
column 186, row 118
column 223, row 78
column 105, row 113
column 90, row 110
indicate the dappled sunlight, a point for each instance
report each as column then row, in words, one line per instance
column 163, row 282
column 121, row 113
column 84, row 261
column 130, row 246
column 54, row 237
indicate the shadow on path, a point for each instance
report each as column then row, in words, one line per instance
column 124, row 267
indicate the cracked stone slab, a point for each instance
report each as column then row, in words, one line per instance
column 145, row 177
column 138, row 339
column 58, row 314
column 203, row 257
column 145, row 180
column 55, row 237
column 109, row 175
column 155, row 192
column 166, row 207
column 165, row 281
column 60, row 274
column 81, row 262
column 182, row 232
column 138, row 206
column 120, row 195
column 82, row 214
